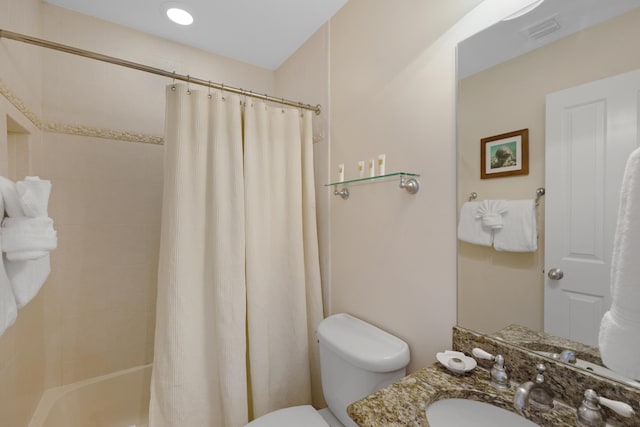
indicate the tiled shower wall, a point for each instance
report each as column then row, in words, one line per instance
column 66, row 119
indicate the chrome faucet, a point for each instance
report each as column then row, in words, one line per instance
column 589, row 413
column 499, row 374
column 536, row 393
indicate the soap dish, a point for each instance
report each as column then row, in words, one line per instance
column 456, row 361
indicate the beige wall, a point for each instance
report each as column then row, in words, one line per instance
column 384, row 73
column 392, row 86
column 95, row 314
column 22, row 346
column 311, row 64
column 494, row 102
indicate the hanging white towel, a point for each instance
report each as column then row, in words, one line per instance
column 470, row 228
column 620, row 326
column 27, row 277
column 8, row 308
column 491, row 213
column 27, row 236
column 518, row 233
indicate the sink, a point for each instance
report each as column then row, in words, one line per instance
column 471, row 413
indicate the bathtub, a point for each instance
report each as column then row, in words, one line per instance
column 120, row 399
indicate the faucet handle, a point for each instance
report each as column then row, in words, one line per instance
column 589, row 412
column 481, row 354
column 616, row 406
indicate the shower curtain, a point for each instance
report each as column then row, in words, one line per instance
column 238, row 279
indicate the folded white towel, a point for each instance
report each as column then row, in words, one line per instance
column 8, row 308
column 518, row 233
column 33, row 193
column 491, row 212
column 27, row 277
column 10, row 196
column 470, row 228
column 26, row 238
column 620, row 327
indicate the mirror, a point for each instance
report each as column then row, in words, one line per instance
column 504, row 75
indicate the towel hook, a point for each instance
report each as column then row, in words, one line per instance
column 473, row 196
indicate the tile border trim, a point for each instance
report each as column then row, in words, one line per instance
column 79, row 130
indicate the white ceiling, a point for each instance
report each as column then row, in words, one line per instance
column 260, row 32
column 509, row 39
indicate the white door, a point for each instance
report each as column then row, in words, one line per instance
column 590, row 131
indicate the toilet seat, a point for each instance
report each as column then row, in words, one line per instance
column 295, row 416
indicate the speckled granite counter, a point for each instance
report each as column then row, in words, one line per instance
column 405, row 402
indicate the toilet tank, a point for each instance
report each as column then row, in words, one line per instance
column 357, row 359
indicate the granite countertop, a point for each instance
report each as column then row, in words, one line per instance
column 403, row 404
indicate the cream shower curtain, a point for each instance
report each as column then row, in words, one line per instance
column 238, row 281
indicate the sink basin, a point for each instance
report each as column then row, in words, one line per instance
column 471, row 413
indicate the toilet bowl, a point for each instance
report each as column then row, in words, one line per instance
column 356, row 359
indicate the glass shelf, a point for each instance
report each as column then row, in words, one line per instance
column 411, row 185
column 374, row 178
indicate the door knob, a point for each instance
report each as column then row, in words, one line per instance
column 555, row 274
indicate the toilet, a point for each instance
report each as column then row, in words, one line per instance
column 356, row 359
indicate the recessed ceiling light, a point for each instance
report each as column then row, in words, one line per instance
column 179, row 16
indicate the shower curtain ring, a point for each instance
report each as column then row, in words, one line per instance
column 222, row 90
column 188, row 82
column 282, row 104
column 173, row 85
column 209, row 89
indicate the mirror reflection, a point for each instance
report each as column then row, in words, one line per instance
column 557, row 72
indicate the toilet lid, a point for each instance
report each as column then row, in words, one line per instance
column 296, row 416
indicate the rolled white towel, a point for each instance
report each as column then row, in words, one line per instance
column 10, row 197
column 491, row 213
column 26, row 238
column 33, row 193
column 28, row 224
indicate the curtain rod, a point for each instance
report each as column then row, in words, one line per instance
column 128, row 64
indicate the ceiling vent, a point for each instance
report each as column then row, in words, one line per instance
column 541, row 29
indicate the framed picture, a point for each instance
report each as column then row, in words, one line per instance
column 505, row 155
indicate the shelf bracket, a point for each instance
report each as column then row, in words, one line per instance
column 412, row 185
column 344, row 193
